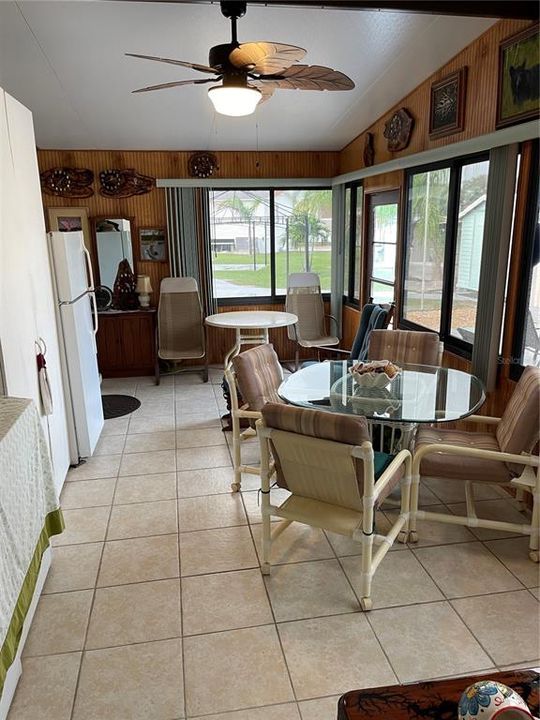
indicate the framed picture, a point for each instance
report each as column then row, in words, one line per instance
column 519, row 81
column 71, row 219
column 153, row 244
column 447, row 106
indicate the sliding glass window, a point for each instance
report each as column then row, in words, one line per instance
column 428, row 194
column 259, row 237
column 353, row 239
column 445, row 228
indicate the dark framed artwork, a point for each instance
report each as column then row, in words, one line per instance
column 447, row 106
column 519, row 82
column 152, row 244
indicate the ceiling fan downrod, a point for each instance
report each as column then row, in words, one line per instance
column 233, row 10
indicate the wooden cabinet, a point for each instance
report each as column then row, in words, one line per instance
column 126, row 342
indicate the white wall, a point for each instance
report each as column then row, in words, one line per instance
column 26, row 297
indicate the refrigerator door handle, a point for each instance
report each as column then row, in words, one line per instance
column 94, row 312
column 91, row 287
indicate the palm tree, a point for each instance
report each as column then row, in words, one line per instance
column 243, row 210
column 305, row 226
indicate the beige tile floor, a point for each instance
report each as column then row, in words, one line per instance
column 155, row 607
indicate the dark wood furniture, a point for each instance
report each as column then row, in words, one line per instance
column 435, row 700
column 126, row 342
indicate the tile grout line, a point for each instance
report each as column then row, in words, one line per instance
column 94, row 591
column 181, row 608
column 275, row 624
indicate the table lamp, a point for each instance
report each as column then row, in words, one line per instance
column 144, row 288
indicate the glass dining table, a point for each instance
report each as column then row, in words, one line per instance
column 418, row 394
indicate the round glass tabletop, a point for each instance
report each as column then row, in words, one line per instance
column 418, row 394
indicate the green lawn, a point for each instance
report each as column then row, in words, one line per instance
column 320, row 263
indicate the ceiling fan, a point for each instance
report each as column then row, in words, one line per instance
column 250, row 72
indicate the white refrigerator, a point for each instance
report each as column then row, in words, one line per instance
column 77, row 326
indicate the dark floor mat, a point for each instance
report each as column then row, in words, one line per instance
column 117, row 405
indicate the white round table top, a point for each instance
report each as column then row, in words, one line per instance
column 251, row 319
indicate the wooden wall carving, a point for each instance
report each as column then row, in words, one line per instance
column 67, row 182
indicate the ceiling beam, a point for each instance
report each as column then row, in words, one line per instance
column 514, row 9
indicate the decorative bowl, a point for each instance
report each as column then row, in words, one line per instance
column 372, row 379
column 488, row 699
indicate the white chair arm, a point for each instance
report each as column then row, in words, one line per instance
column 403, row 457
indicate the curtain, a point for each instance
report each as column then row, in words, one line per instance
column 188, row 226
column 338, row 247
column 494, row 262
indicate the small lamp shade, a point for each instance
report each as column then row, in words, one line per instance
column 143, row 289
column 143, row 284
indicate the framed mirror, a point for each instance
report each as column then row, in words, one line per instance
column 113, row 241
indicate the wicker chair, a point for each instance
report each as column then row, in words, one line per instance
column 304, row 299
column 336, row 481
column 256, row 375
column 505, row 458
column 405, row 346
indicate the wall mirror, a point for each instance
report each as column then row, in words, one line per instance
column 113, row 241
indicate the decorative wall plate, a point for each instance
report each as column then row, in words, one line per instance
column 124, row 183
column 202, row 164
column 398, row 130
column 67, row 182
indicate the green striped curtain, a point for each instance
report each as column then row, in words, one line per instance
column 188, row 226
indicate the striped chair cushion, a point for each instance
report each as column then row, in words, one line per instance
column 518, row 430
column 458, row 467
column 346, row 429
column 404, row 346
column 259, row 375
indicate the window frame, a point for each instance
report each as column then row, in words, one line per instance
column 273, row 298
column 350, row 243
column 369, row 243
column 453, row 344
column 524, row 288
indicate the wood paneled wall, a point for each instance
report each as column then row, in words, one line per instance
column 149, row 210
column 481, row 58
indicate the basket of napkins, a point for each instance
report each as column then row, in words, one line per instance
column 374, row 374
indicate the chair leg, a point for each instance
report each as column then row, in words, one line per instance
column 406, row 502
column 469, row 499
column 365, row 583
column 205, row 372
column 297, row 359
column 415, row 490
column 237, row 457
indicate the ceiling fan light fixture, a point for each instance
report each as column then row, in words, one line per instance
column 233, row 100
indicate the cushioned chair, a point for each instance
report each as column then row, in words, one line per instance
column 336, row 481
column 255, row 375
column 373, row 317
column 180, row 324
column 304, row 299
column 405, row 346
column 505, row 458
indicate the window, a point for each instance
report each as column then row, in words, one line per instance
column 382, row 232
column 353, row 239
column 468, row 253
column 258, row 237
column 445, row 229
column 425, row 245
column 527, row 334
